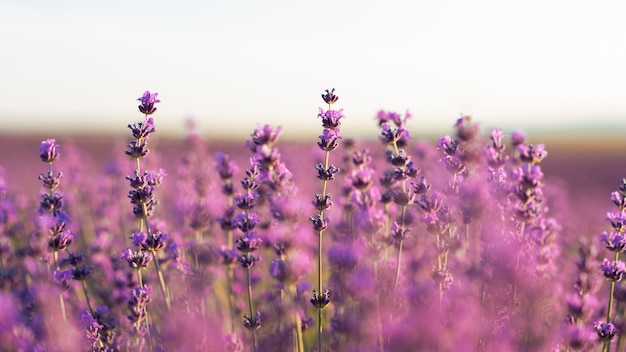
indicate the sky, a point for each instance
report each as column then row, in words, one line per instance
column 79, row 66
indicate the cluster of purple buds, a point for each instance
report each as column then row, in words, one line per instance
column 226, row 168
column 529, row 187
column 399, row 134
column 142, row 190
column 138, row 148
column 137, row 305
column 51, row 201
column 148, row 100
column 249, row 242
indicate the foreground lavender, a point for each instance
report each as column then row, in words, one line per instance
column 457, row 245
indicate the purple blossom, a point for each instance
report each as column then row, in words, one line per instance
column 322, row 203
column 246, row 201
column 136, row 259
column 61, row 241
column 532, row 154
column 225, row 167
column 153, row 242
column 137, row 149
column 606, row 331
column 399, row 135
column 326, row 174
column 246, row 222
column 614, row 241
column 331, row 119
column 248, row 243
column 247, row 260
column 362, row 179
column 50, row 181
column 81, row 273
column 51, row 203
column 617, row 220
column 252, row 323
column 148, row 100
column 329, row 140
column 320, row 301
column 329, row 97
column 264, row 135
column 614, row 271
column 143, row 130
column 319, row 224
column 465, row 129
column 155, row 178
column 48, row 151
column 619, row 199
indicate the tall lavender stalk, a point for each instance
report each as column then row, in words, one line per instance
column 402, row 169
column 249, row 242
column 147, row 244
column 328, row 141
column 613, row 269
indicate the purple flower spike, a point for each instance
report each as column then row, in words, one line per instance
column 147, row 102
column 48, row 151
column 61, row 241
column 142, row 130
column 137, row 259
column 606, row 331
column 264, row 135
column 532, row 153
column 252, row 323
column 326, row 174
column 320, row 301
column 247, row 261
column 329, row 140
column 614, row 241
column 248, row 244
column 331, row 119
column 614, row 271
column 330, row 98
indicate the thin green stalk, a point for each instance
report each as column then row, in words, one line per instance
column 84, row 284
column 320, row 259
column 55, row 257
column 254, row 343
column 161, row 282
column 399, row 261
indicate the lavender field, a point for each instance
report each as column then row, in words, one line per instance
column 478, row 240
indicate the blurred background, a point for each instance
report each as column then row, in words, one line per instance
column 76, row 67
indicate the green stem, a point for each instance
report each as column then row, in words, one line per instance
column 84, row 284
column 55, row 256
column 252, row 317
column 161, row 281
column 320, row 258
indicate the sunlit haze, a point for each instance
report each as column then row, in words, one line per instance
column 230, row 65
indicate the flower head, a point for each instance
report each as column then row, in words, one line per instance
column 331, row 119
column 614, row 271
column 48, row 151
column 606, row 331
column 147, row 102
column 330, row 98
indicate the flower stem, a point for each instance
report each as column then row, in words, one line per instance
column 252, row 317
column 157, row 267
column 84, row 284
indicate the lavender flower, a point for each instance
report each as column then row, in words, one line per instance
column 48, row 151
column 148, row 100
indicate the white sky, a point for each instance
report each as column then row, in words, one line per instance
column 230, row 65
